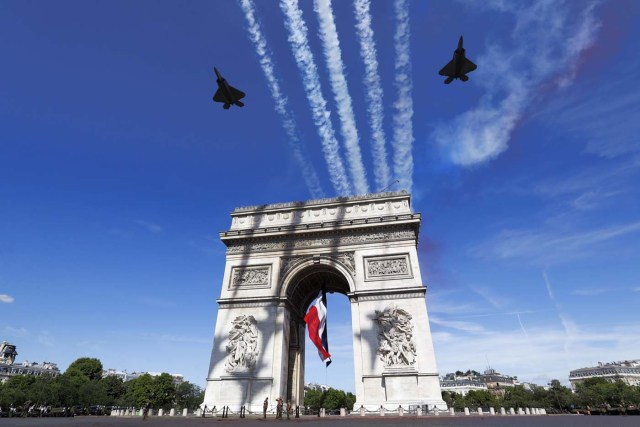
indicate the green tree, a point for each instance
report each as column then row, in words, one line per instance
column 114, row 388
column 334, row 399
column 313, row 399
column 518, row 397
column 163, row 391
column 139, row 391
column 188, row 395
column 87, row 366
column 480, row 398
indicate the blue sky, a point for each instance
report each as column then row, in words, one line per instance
column 117, row 170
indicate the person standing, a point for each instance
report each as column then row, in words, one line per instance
column 145, row 411
column 288, row 409
column 279, row 408
column 265, row 406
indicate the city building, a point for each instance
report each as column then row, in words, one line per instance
column 8, row 367
column 461, row 386
column 627, row 371
column 128, row 376
column 491, row 380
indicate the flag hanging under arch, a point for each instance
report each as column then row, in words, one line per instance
column 316, row 320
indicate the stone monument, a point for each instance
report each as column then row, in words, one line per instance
column 279, row 257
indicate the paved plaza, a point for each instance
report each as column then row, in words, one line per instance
column 352, row 421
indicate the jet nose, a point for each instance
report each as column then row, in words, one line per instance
column 460, row 43
column 217, row 72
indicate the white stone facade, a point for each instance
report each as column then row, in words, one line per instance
column 279, row 257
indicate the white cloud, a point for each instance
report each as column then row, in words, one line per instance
column 548, row 37
column 497, row 301
column 610, row 128
column 333, row 56
column 297, row 30
column 14, row 332
column 590, row 292
column 550, row 246
column 457, row 324
column 540, row 357
column 167, row 338
column 7, row 299
column 281, row 103
column 149, row 226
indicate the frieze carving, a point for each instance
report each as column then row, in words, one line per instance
column 396, row 267
column 396, row 345
column 345, row 258
column 242, row 349
column 383, row 297
column 254, row 276
column 323, row 201
column 339, row 240
column 290, row 262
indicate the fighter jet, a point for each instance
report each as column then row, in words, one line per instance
column 227, row 93
column 458, row 67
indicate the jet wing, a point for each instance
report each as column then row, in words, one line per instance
column 449, row 69
column 237, row 94
column 219, row 96
column 468, row 66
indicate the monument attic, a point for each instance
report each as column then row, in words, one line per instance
column 278, row 259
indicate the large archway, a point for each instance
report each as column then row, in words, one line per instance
column 278, row 259
column 300, row 288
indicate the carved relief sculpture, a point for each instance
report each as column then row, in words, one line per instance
column 395, row 336
column 388, row 267
column 250, row 276
column 242, row 349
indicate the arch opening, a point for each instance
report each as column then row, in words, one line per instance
column 306, row 284
column 302, row 288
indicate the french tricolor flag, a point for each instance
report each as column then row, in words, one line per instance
column 316, row 320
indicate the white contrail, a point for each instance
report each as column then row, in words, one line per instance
column 522, row 326
column 373, row 92
column 280, row 101
column 333, row 56
column 402, row 119
column 304, row 58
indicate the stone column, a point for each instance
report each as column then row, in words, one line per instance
column 466, row 411
column 502, row 411
column 185, row 412
column 452, row 411
column 172, row 412
column 492, row 411
column 479, row 411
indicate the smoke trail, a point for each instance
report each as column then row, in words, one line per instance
column 280, row 101
column 403, row 127
column 373, row 93
column 333, row 56
column 522, row 326
column 304, row 58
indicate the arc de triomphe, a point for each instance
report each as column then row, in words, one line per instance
column 278, row 258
